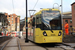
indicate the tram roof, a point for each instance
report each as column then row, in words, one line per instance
column 46, row 9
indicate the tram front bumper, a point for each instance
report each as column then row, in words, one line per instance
column 51, row 39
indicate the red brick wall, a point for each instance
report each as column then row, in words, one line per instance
column 18, row 19
column 73, row 15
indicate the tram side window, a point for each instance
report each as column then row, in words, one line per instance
column 33, row 22
column 38, row 25
column 36, row 20
column 40, row 19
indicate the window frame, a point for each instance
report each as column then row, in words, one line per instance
column 66, row 20
column 70, row 21
column 74, row 7
column 12, row 15
column 12, row 21
column 9, row 18
column 12, row 18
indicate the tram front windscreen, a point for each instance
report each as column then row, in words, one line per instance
column 51, row 20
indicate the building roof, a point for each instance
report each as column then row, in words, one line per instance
column 66, row 13
column 72, row 3
column 67, row 17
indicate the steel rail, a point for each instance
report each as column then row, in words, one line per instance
column 5, row 45
column 19, row 44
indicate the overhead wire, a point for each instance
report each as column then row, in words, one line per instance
column 13, row 6
column 35, row 5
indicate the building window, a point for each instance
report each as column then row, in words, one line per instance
column 74, row 15
column 9, row 18
column 12, row 24
column 66, row 21
column 12, row 18
column 9, row 15
column 12, row 21
column 70, row 21
column 74, row 7
column 9, row 21
column 6, row 16
column 70, row 26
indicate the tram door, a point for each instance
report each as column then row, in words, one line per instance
column 32, row 32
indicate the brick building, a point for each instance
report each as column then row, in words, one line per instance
column 14, row 22
column 73, row 14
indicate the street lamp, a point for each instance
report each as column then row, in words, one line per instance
column 61, row 11
column 57, row 4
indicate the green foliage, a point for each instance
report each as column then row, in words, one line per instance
column 18, row 16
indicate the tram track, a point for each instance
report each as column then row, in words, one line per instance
column 8, row 45
column 65, row 46
column 5, row 44
column 19, row 46
column 56, row 47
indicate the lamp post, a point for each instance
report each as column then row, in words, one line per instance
column 26, row 40
column 62, row 13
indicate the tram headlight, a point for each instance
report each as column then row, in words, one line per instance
column 59, row 33
column 44, row 33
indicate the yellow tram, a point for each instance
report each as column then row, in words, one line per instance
column 46, row 26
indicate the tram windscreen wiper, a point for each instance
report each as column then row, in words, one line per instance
column 49, row 27
column 51, row 30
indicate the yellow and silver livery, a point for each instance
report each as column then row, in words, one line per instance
column 46, row 27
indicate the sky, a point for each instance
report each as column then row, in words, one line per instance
column 6, row 6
